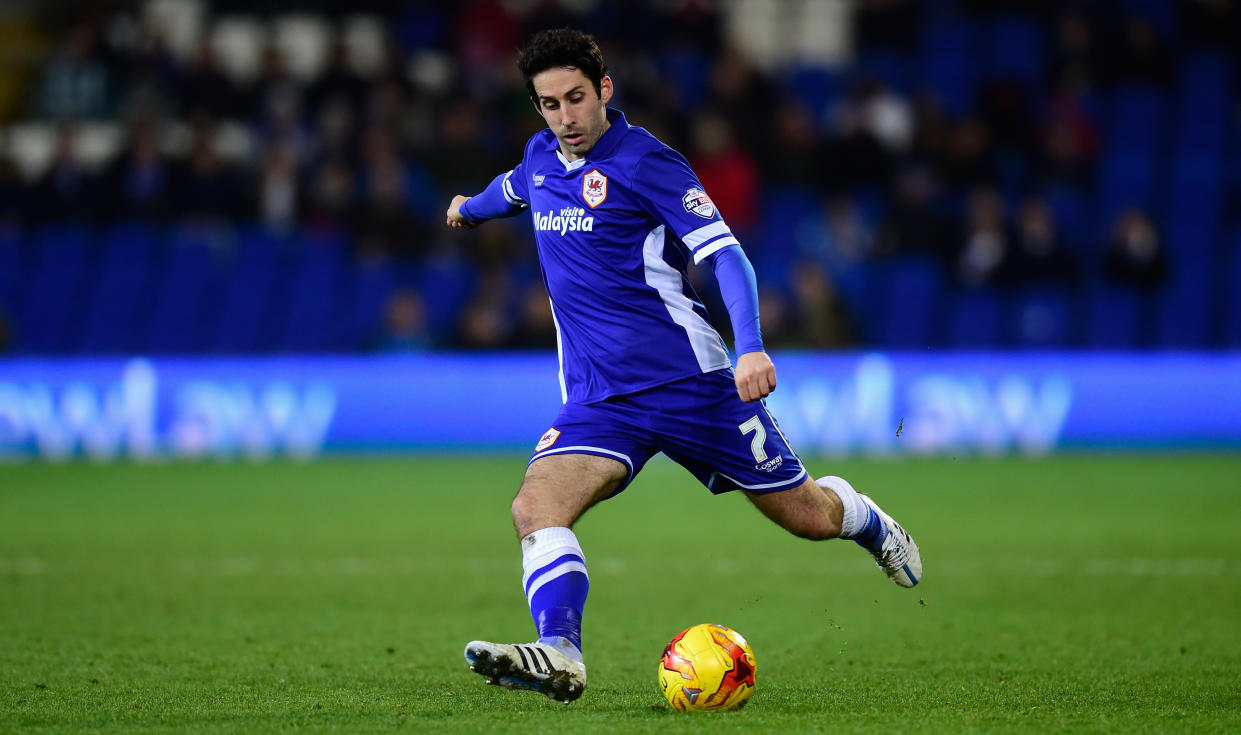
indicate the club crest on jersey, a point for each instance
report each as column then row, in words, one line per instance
column 594, row 188
column 697, row 201
column 548, row 439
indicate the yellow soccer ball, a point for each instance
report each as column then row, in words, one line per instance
column 707, row 668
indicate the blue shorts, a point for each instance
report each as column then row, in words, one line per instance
column 700, row 423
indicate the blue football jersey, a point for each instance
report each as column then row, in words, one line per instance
column 616, row 232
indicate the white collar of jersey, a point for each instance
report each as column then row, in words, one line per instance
column 570, row 165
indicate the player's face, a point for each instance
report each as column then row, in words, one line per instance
column 574, row 112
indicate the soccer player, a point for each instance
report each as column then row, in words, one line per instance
column 618, row 218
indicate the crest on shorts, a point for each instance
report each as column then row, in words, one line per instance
column 697, row 201
column 548, row 439
column 594, row 188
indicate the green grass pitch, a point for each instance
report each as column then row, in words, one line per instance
column 1073, row 594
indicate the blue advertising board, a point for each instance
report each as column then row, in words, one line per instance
column 826, row 403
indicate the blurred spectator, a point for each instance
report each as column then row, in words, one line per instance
column 75, row 82
column 1135, row 254
column 5, row 332
column 66, row 192
column 208, row 190
column 1211, row 23
column 912, row 224
column 488, row 321
column 203, row 89
column 12, row 193
column 137, row 186
column 277, row 195
column 870, row 129
column 1137, row 56
column 390, row 186
column 887, row 24
column 969, row 156
column 145, row 78
column 822, row 320
column 1038, row 254
column 536, row 328
column 795, row 156
column 278, row 100
column 405, row 323
column 985, row 243
column 338, row 84
column 1074, row 56
column 727, row 171
column 735, row 84
column 331, row 194
column 840, row 239
column 1070, row 141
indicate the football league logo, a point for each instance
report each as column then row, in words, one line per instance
column 548, row 439
column 594, row 188
column 697, row 201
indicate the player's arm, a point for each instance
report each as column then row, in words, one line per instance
column 756, row 375
column 503, row 197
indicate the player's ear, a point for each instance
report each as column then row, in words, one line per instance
column 605, row 89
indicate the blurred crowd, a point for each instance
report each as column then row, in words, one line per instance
column 823, row 172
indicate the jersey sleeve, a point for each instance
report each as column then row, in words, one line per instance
column 505, row 196
column 669, row 190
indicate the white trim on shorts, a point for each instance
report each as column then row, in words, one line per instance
column 598, row 451
column 789, row 483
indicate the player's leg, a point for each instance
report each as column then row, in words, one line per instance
column 830, row 508
column 556, row 491
column 588, row 457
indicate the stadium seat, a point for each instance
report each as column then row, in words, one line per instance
column 373, row 283
column 1013, row 48
column 893, row 69
column 114, row 313
column 253, row 284
column 1039, row 316
column 1136, row 124
column 238, row 43
column 1115, row 316
column 817, row 87
column 303, row 39
column 974, row 319
column 1184, row 306
column 10, row 267
column 1232, row 296
column 1125, row 181
column 183, row 297
column 311, row 318
column 1195, row 199
column 51, row 304
column 947, row 61
column 904, row 298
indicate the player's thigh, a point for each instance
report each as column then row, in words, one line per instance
column 558, row 488
column 806, row 510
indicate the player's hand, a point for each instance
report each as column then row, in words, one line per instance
column 756, row 376
column 455, row 219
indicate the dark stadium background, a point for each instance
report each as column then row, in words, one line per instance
column 192, row 177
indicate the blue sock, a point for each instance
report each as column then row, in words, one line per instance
column 872, row 531
column 556, row 587
column 859, row 522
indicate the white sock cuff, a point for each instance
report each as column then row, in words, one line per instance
column 543, row 546
column 849, row 499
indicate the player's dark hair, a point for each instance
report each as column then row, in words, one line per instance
column 566, row 47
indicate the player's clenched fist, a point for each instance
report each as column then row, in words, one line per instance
column 756, row 376
column 455, row 218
